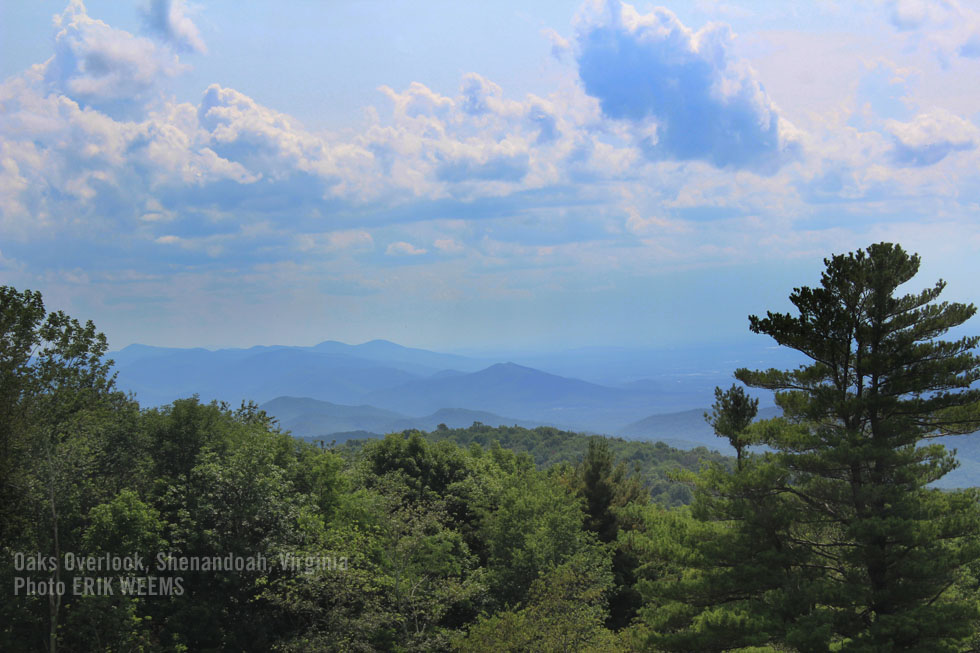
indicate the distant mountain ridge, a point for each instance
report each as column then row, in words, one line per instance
column 684, row 429
column 380, row 387
column 411, row 382
column 309, row 418
column 505, row 388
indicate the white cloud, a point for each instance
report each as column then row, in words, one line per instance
column 560, row 46
column 686, row 94
column 448, row 245
column 912, row 14
column 931, row 137
column 103, row 67
column 169, row 19
column 950, row 27
column 402, row 248
column 543, row 182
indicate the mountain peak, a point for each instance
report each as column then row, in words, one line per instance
column 509, row 366
column 326, row 344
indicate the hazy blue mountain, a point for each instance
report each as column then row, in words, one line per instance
column 459, row 418
column 968, row 454
column 684, row 430
column 524, row 393
column 306, row 417
column 626, row 384
column 687, row 430
column 137, row 352
column 258, row 374
column 445, row 374
column 390, row 353
column 696, row 366
column 380, row 387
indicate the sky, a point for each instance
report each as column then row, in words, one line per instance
column 476, row 175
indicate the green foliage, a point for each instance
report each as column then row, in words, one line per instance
column 654, row 464
column 608, row 489
column 564, row 613
column 57, row 406
column 510, row 539
column 731, row 415
column 536, row 527
column 833, row 539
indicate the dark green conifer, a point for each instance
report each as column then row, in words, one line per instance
column 833, row 539
column 851, row 441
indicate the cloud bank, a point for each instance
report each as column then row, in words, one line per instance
column 659, row 150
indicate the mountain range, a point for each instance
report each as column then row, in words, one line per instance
column 333, row 390
column 594, row 388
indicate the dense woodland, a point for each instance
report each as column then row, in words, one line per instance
column 828, row 536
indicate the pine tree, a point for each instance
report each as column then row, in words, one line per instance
column 731, row 415
column 851, row 444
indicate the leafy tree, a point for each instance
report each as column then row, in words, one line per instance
column 654, row 462
column 564, row 613
column 880, row 383
column 536, row 527
column 57, row 400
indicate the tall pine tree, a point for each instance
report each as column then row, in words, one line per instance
column 832, row 538
column 851, row 443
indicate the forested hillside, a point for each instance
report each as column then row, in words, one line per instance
column 202, row 527
column 654, row 464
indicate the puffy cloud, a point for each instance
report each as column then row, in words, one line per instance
column 102, row 67
column 168, row 19
column 931, row 137
column 684, row 92
column 476, row 143
column 536, row 182
column 949, row 27
column 401, row 248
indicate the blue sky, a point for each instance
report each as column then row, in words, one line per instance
column 476, row 175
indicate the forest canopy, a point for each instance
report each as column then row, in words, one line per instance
column 824, row 534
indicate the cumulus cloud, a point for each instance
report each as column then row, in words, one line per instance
column 477, row 142
column 931, row 137
column 401, row 248
column 686, row 94
column 168, row 18
column 226, row 176
column 949, row 27
column 102, row 67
